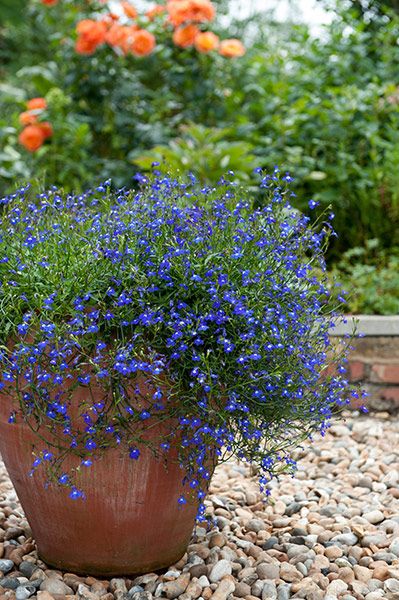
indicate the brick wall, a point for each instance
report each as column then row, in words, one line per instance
column 374, row 362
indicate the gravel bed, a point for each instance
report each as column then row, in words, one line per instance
column 330, row 533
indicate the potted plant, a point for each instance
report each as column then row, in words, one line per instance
column 147, row 335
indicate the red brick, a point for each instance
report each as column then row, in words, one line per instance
column 330, row 371
column 386, row 373
column 356, row 370
column 390, row 393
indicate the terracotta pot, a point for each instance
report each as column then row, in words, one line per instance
column 129, row 523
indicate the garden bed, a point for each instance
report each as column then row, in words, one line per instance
column 375, row 359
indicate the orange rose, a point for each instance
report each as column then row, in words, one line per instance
column 91, row 34
column 198, row 11
column 129, row 10
column 178, row 11
column 231, row 48
column 84, row 46
column 128, row 35
column 32, row 137
column 141, row 43
column 109, row 19
column 185, row 36
column 156, row 10
column 117, row 35
column 46, row 128
column 206, row 41
column 36, row 104
column 27, row 118
column 202, row 11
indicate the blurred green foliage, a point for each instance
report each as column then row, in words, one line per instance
column 208, row 152
column 371, row 273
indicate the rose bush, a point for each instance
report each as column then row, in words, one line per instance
column 130, row 78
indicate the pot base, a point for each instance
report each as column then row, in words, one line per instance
column 129, row 523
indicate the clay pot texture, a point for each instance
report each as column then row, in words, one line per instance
column 130, row 521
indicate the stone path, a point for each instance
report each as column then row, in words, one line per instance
column 330, row 533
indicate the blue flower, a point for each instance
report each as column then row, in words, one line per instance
column 134, row 453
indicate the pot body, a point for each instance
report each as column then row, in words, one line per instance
column 130, row 521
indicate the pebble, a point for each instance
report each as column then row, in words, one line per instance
column 219, row 570
column 194, row 589
column 27, row 568
column 119, row 584
column 198, row 570
column 269, row 591
column 268, row 571
column 24, row 591
column 55, row 586
column 346, row 539
column 9, row 583
column 394, row 547
column 6, row 565
column 242, row 590
column 217, row 539
column 270, row 543
column 44, row 596
column 333, row 552
column 142, row 596
column 336, row 587
column 224, row 588
column 175, row 588
column 289, row 573
column 362, row 573
column 375, row 539
column 283, row 591
column 392, row 585
column 256, row 525
column 374, row 516
column 293, row 508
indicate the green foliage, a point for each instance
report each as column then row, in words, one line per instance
column 11, row 10
column 206, row 152
column 372, row 276
column 327, row 109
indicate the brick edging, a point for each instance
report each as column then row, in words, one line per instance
column 367, row 325
column 374, row 361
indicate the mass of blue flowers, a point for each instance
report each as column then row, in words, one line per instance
column 173, row 305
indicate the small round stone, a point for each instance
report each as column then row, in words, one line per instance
column 55, row 586
column 269, row 591
column 24, row 591
column 198, row 570
column 256, row 525
column 220, row 570
column 392, row 585
column 374, row 516
column 27, row 568
column 6, row 565
column 9, row 583
column 333, row 552
column 242, row 590
column 268, row 571
column 394, row 547
column 346, row 539
column 217, row 539
column 270, row 543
